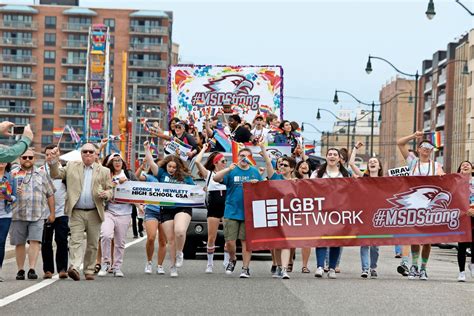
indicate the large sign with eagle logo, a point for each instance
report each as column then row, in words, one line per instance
column 357, row 212
column 199, row 90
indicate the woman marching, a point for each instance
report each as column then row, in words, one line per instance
column 286, row 166
column 302, row 171
column 175, row 220
column 215, row 198
column 332, row 168
column 117, row 219
column 466, row 168
column 374, row 169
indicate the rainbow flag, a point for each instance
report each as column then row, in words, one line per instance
column 6, row 190
column 309, row 149
column 436, row 139
column 249, row 159
column 58, row 132
column 153, row 148
column 235, row 151
column 120, row 137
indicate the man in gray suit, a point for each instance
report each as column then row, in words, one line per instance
column 89, row 186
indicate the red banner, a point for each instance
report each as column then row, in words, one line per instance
column 357, row 211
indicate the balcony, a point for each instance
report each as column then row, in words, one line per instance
column 440, row 120
column 70, row 78
column 74, row 62
column 71, row 95
column 18, row 42
column 442, row 79
column 427, row 106
column 17, row 76
column 428, row 86
column 441, row 99
column 74, row 44
column 18, row 25
column 147, row 81
column 72, row 112
column 17, row 94
column 149, row 47
column 155, row 64
column 16, row 111
column 76, row 27
column 148, row 30
column 426, row 125
column 148, row 98
column 17, row 59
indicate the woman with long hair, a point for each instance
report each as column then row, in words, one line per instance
column 174, row 220
column 374, row 169
column 466, row 168
column 117, row 218
column 332, row 168
column 286, row 169
column 7, row 197
column 302, row 171
column 215, row 201
column 287, row 135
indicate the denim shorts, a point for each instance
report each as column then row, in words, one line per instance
column 151, row 215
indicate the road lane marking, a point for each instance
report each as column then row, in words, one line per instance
column 38, row 286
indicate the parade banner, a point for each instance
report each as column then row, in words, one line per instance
column 158, row 193
column 399, row 172
column 199, row 90
column 357, row 212
column 176, row 144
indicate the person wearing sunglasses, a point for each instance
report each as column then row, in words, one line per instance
column 422, row 165
column 88, row 188
column 35, row 194
column 286, row 167
column 215, row 199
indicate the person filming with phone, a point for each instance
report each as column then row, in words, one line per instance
column 10, row 153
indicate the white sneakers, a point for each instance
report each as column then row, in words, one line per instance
column 319, row 272
column 209, row 268
column 118, row 273
column 149, row 268
column 104, row 269
column 179, row 259
column 332, row 274
column 174, row 272
column 160, row 270
column 462, row 277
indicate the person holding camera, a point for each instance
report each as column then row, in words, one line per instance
column 10, row 153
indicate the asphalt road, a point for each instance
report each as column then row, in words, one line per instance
column 195, row 292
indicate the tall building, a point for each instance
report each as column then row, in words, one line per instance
column 397, row 120
column 43, row 65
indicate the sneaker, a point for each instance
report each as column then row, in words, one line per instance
column 148, row 268
column 209, row 268
column 230, row 267
column 135, row 236
column 373, row 274
column 160, row 270
column 403, row 269
column 20, row 275
column 326, row 269
column 179, row 259
column 413, row 272
column 284, row 274
column 32, row 274
column 174, row 272
column 364, row 274
column 332, row 274
column 423, row 275
column 319, row 272
column 471, row 267
column 245, row 274
column 118, row 273
column 462, row 277
column 104, row 269
column 273, row 270
column 277, row 274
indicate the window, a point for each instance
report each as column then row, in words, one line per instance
column 50, row 22
column 46, row 140
column 49, row 39
column 49, row 56
column 48, row 125
column 48, row 90
column 48, row 73
column 110, row 23
column 48, row 107
column 112, row 41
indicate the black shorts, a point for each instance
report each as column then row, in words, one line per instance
column 216, row 203
column 168, row 214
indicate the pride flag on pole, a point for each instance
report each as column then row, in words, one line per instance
column 436, row 139
column 223, row 140
column 308, row 149
column 236, row 147
column 58, row 132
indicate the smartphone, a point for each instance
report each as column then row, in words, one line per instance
column 18, row 130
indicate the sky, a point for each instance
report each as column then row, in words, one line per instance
column 322, row 45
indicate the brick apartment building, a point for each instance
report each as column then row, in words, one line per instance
column 43, row 56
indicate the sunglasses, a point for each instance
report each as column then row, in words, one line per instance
column 284, row 165
column 179, row 126
column 27, row 157
column 90, row 152
column 223, row 161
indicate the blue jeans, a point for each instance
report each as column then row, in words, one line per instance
column 333, row 256
column 4, row 227
column 364, row 257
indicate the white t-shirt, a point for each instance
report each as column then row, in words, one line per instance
column 418, row 168
column 213, row 185
column 261, row 133
column 119, row 209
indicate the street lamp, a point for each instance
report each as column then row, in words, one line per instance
column 430, row 12
column 368, row 69
column 372, row 105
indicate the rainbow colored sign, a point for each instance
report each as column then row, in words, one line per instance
column 200, row 90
